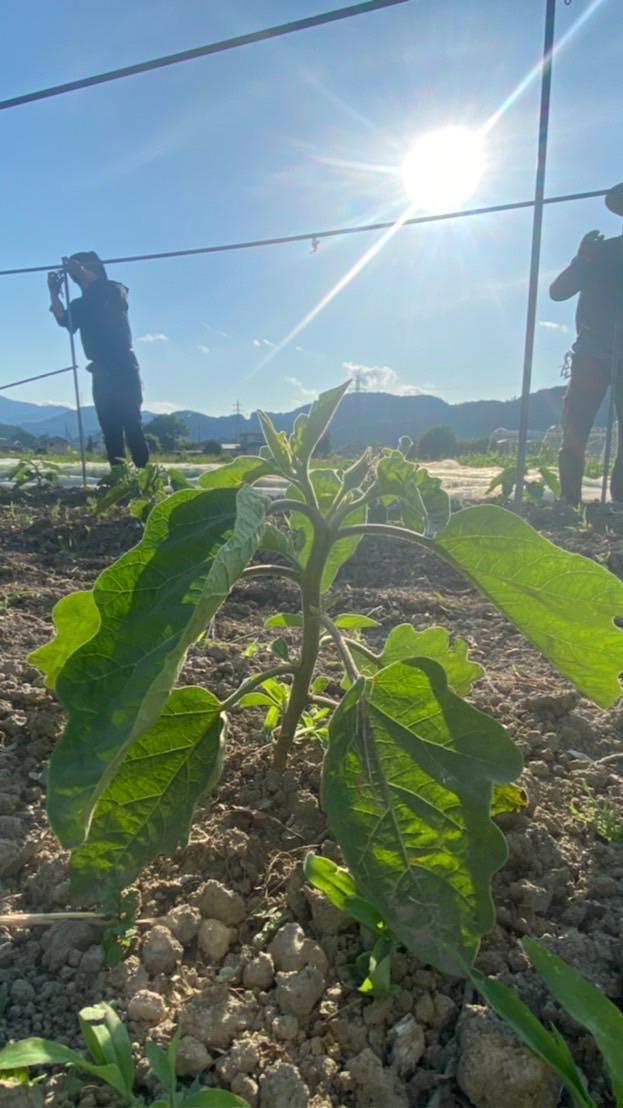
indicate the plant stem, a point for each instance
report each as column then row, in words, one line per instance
column 343, row 651
column 364, row 650
column 323, row 701
column 387, row 531
column 286, row 505
column 273, row 571
column 311, row 605
column 253, row 682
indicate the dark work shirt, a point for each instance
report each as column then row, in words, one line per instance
column 600, row 285
column 101, row 316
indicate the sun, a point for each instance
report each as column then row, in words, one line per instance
column 444, row 168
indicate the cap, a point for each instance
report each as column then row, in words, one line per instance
column 614, row 200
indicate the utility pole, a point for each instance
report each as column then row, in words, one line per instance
column 357, row 413
column 238, row 412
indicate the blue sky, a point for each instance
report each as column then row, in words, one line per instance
column 305, row 132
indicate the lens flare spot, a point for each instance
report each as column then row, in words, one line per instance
column 444, row 168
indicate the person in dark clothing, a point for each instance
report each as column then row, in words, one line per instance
column 596, row 273
column 101, row 316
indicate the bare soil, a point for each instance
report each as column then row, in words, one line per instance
column 232, row 944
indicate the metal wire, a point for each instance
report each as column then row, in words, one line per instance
column 39, row 377
column 202, row 51
column 316, row 236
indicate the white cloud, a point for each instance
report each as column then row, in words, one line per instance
column 551, row 326
column 215, row 330
column 381, row 378
column 304, row 395
column 256, row 342
column 159, row 337
column 264, row 342
column 161, row 407
column 203, row 349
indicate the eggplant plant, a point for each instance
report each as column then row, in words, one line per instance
column 410, row 766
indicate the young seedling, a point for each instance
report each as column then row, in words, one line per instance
column 374, row 966
column 602, row 813
column 534, row 488
column 34, row 471
column 410, row 767
column 140, row 489
column 109, row 1059
column 580, row 1000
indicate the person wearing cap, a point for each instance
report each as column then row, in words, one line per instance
column 596, row 273
column 101, row 316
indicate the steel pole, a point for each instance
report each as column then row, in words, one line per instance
column 614, row 372
column 535, row 254
column 74, row 367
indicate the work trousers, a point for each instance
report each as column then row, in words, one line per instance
column 118, row 398
column 590, row 379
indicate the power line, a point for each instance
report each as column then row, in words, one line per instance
column 39, row 377
column 203, row 51
column 316, row 236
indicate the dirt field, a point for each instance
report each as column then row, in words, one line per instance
column 265, row 996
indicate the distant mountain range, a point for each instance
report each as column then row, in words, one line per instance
column 362, row 418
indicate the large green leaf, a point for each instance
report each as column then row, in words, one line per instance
column 278, row 444
column 309, row 429
column 76, row 619
column 153, row 603
column 148, row 806
column 564, row 603
column 407, row 787
column 244, row 470
column 425, row 505
column 586, row 1005
column 404, row 642
column 551, row 1047
column 327, row 485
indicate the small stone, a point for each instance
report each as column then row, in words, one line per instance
column 214, row 939
column 314, row 955
column 445, row 1009
column 245, row 1087
column 285, row 1028
column 376, row 1085
column 183, row 922
column 192, row 1057
column 63, row 938
column 286, row 949
column 15, row 1094
column 161, row 952
column 9, row 856
column 424, row 1010
column 243, row 1057
column 22, row 992
column 215, row 901
column 10, row 827
column 259, row 973
column 299, row 991
column 496, row 1068
column 92, row 960
column 328, row 920
column 215, row 1017
column 147, row 1007
column 282, row 1084
column 408, row 1046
